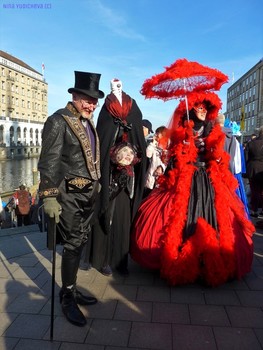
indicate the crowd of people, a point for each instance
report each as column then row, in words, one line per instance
column 168, row 199
column 21, row 209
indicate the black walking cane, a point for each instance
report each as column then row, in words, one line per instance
column 51, row 244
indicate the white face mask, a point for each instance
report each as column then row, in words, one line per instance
column 125, row 156
column 116, row 89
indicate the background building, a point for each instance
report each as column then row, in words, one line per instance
column 245, row 100
column 23, row 108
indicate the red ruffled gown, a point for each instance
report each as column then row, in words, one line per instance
column 193, row 226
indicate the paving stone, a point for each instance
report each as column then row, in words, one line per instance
column 187, row 296
column 5, row 321
column 69, row 346
column 31, row 344
column 8, row 343
column 29, row 303
column 170, row 313
column 208, row 315
column 236, row 339
column 120, row 292
column 109, row 332
column 5, row 300
column 28, row 326
column 245, row 316
column 65, row 331
column 251, row 298
column 133, row 311
column 104, row 309
column 259, row 335
column 138, row 312
column 151, row 336
column 140, row 279
column 222, row 297
column 152, row 293
column 190, row 337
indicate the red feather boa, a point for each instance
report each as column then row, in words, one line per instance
column 212, row 256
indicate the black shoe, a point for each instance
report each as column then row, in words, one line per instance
column 83, row 299
column 106, row 270
column 70, row 308
column 85, row 266
column 254, row 215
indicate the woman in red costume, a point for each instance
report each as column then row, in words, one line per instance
column 193, row 226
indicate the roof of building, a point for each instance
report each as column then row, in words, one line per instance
column 17, row 61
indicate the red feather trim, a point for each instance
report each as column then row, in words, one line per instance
column 213, row 256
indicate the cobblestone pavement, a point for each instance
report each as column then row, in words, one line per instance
column 138, row 312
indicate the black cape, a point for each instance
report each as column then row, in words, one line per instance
column 107, row 129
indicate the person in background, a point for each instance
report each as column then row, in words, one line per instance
column 23, row 201
column 123, row 166
column 254, row 159
column 2, row 212
column 147, row 129
column 154, row 153
column 69, row 167
column 237, row 162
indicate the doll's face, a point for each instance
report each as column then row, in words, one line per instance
column 125, row 156
column 200, row 111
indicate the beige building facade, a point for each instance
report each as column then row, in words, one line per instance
column 23, row 108
column 246, row 95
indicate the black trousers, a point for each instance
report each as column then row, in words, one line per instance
column 74, row 229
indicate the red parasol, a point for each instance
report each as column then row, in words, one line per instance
column 181, row 78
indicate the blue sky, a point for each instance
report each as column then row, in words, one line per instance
column 131, row 40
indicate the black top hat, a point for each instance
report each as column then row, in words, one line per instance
column 148, row 125
column 87, row 84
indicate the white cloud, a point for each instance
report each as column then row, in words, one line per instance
column 114, row 20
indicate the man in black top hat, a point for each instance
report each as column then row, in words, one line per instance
column 69, row 167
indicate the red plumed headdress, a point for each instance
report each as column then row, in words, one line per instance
column 210, row 99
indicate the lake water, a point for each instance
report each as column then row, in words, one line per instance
column 15, row 172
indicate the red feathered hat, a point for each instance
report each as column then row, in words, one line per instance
column 211, row 101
